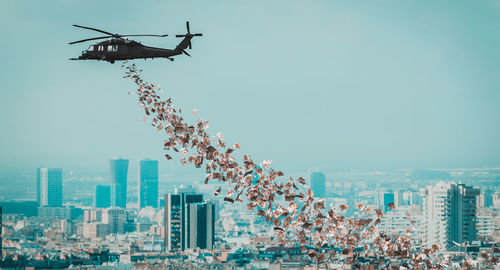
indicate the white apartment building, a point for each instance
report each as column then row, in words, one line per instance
column 488, row 223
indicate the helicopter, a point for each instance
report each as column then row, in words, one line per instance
column 120, row 48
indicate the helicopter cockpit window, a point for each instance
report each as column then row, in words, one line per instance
column 91, row 48
column 115, row 48
column 100, row 48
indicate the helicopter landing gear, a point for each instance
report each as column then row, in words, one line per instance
column 170, row 58
column 112, row 61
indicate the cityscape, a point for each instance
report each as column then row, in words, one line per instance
column 184, row 225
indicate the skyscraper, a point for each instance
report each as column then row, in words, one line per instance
column 148, row 183
column 49, row 187
column 388, row 197
column 199, row 224
column 175, row 207
column 317, row 183
column 102, row 196
column 118, row 169
column 450, row 214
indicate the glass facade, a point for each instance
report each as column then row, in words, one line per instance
column 49, row 187
column 318, row 182
column 148, row 183
column 102, row 196
column 119, row 171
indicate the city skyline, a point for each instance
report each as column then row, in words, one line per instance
column 431, row 209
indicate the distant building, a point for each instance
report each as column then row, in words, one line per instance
column 174, row 216
column 488, row 224
column 92, row 215
column 26, row 208
column 384, row 198
column 388, row 197
column 486, row 198
column 450, row 214
column 410, row 197
column 49, row 187
column 119, row 170
column 68, row 227
column 187, row 189
column 115, row 218
column 400, row 219
column 95, row 230
column 67, row 212
column 54, row 212
column 318, row 184
column 148, row 183
column 102, row 196
column 199, row 224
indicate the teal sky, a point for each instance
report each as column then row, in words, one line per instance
column 308, row 84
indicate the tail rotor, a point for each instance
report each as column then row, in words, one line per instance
column 188, row 34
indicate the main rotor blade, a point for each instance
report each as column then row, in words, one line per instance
column 197, row 35
column 83, row 40
column 95, row 29
column 187, row 25
column 143, row 35
column 180, row 35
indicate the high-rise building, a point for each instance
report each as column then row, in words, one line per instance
column 118, row 169
column 102, row 196
column 148, row 183
column 449, row 214
column 175, row 207
column 199, row 225
column 49, row 187
column 115, row 218
column 317, row 183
